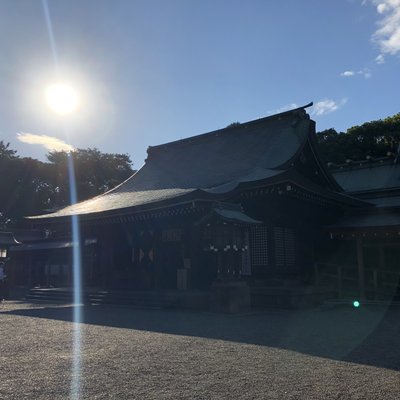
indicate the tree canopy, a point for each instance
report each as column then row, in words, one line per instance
column 95, row 172
column 374, row 139
column 5, row 151
column 29, row 186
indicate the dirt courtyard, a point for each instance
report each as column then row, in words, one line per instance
column 340, row 353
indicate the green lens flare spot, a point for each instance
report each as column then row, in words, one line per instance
column 356, row 304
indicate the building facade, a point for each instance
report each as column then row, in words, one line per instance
column 250, row 202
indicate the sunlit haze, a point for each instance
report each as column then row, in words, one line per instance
column 62, row 98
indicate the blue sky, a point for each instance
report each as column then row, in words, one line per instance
column 148, row 72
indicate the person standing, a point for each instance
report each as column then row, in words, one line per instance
column 2, row 281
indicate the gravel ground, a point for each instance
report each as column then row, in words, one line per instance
column 141, row 354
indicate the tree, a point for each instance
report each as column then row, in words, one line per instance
column 29, row 186
column 95, row 172
column 24, row 189
column 375, row 139
column 6, row 152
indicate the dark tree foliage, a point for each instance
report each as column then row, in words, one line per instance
column 95, row 172
column 24, row 188
column 29, row 186
column 5, row 151
column 375, row 139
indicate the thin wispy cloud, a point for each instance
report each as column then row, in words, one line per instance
column 387, row 36
column 48, row 142
column 365, row 72
column 327, row 106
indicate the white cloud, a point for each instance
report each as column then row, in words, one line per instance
column 48, row 142
column 327, row 106
column 380, row 59
column 365, row 72
column 381, row 8
column 347, row 73
column 387, row 36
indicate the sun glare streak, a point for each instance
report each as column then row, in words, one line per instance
column 77, row 283
column 65, row 102
column 50, row 32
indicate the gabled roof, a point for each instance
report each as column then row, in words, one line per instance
column 208, row 165
column 228, row 213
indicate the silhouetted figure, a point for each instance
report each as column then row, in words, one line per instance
column 2, row 282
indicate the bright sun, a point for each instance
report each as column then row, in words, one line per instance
column 62, row 98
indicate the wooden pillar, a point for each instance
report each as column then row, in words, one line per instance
column 381, row 257
column 379, row 271
column 30, row 269
column 339, row 281
column 360, row 265
column 105, row 257
column 375, row 278
column 316, row 275
column 157, row 258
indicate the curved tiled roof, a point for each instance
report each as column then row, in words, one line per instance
column 370, row 177
column 213, row 163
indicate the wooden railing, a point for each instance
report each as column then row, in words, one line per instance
column 342, row 276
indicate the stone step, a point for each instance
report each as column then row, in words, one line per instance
column 139, row 300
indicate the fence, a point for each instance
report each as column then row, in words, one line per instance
column 345, row 279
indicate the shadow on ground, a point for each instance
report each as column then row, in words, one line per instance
column 365, row 336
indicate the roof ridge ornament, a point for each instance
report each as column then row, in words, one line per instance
column 310, row 104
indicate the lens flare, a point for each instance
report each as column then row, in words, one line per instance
column 62, row 98
column 77, row 285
